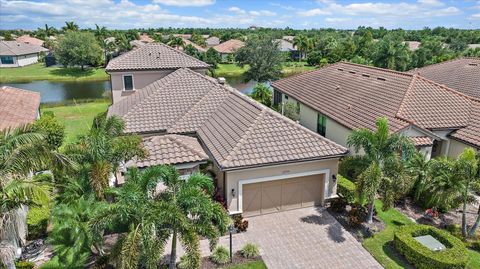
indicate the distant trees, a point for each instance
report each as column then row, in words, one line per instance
column 70, row 26
column 78, row 49
column 391, row 53
column 176, row 42
column 263, row 57
column 262, row 93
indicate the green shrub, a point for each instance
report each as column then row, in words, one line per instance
column 454, row 257
column 52, row 128
column 352, row 166
column 38, row 215
column 346, row 189
column 250, row 251
column 24, row 265
column 220, row 255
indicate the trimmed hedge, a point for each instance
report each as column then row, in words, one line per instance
column 24, row 265
column 346, row 189
column 454, row 257
column 352, row 166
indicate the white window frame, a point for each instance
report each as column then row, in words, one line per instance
column 133, row 82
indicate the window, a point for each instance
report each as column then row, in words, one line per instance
column 321, row 124
column 6, row 59
column 128, row 82
column 277, row 97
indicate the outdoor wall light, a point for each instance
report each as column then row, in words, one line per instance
column 334, row 178
column 233, row 192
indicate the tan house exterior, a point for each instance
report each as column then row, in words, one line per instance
column 146, row 64
column 263, row 162
column 439, row 120
column 18, row 54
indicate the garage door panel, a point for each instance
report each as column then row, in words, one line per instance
column 291, row 195
column 312, row 191
column 252, row 199
column 271, row 197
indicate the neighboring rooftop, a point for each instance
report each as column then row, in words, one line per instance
column 145, row 38
column 461, row 74
column 229, row 46
column 197, row 47
column 29, row 40
column 236, row 130
column 17, row 107
column 413, row 45
column 289, row 38
column 212, row 41
column 285, row 45
column 356, row 95
column 170, row 149
column 14, row 48
column 154, row 56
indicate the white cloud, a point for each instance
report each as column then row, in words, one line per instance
column 185, row 3
column 237, row 10
column 475, row 16
column 431, row 2
column 333, row 20
column 313, row 12
column 262, row 13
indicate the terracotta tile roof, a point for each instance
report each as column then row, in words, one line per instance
column 170, row 149
column 212, row 41
column 17, row 107
column 236, row 130
column 188, row 42
column 154, row 56
column 461, row 74
column 145, row 38
column 356, row 95
column 229, row 46
column 413, row 45
column 29, row 40
column 422, row 141
column 12, row 48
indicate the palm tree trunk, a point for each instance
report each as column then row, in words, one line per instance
column 173, row 253
column 464, row 213
column 473, row 230
column 370, row 213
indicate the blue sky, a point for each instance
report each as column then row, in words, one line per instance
column 301, row 14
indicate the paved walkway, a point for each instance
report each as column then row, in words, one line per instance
column 302, row 238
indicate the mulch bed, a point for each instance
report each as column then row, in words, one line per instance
column 237, row 260
column 361, row 231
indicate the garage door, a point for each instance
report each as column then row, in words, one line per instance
column 279, row 195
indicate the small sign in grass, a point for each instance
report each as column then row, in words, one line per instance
column 430, row 242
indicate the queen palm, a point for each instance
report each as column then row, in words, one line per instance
column 417, row 166
column 379, row 146
column 176, row 42
column 70, row 26
column 184, row 210
column 303, row 44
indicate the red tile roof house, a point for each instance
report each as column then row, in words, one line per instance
column 18, row 107
column 17, row 54
column 146, row 64
column 29, row 40
column 263, row 161
column 341, row 97
column 228, row 48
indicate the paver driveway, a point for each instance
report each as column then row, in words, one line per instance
column 302, row 238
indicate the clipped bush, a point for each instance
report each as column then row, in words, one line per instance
column 250, row 251
column 346, row 189
column 52, row 128
column 220, row 255
column 455, row 255
column 24, row 265
column 352, row 166
column 38, row 217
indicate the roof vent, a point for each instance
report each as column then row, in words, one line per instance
column 221, row 80
column 473, row 64
column 340, row 69
column 365, row 75
column 338, row 87
column 382, row 79
column 352, row 72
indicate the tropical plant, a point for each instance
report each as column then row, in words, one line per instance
column 102, row 150
column 52, row 128
column 303, row 44
column 250, row 251
column 185, row 210
column 262, row 93
column 70, row 26
column 417, row 167
column 290, row 110
column 379, row 146
column 78, row 49
column 176, row 42
column 123, row 43
column 391, row 53
column 220, row 255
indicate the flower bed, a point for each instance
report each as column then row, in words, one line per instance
column 454, row 257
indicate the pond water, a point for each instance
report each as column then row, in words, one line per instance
column 59, row 91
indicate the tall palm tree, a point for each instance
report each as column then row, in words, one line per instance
column 70, row 26
column 417, row 166
column 185, row 210
column 176, row 42
column 100, row 32
column 262, row 94
column 391, row 53
column 303, row 44
column 379, row 146
column 474, row 228
column 123, row 44
column 22, row 152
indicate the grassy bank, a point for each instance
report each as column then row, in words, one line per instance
column 38, row 71
column 77, row 118
column 381, row 245
column 233, row 70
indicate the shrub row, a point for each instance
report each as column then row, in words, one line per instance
column 454, row 257
column 346, row 189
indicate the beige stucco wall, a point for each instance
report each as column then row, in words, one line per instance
column 234, row 177
column 22, row 60
column 456, row 148
column 140, row 80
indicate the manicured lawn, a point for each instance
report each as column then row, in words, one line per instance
column 233, row 70
column 250, row 265
column 38, row 71
column 291, row 68
column 381, row 245
column 77, row 118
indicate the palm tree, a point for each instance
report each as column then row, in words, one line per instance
column 391, row 53
column 262, row 94
column 70, row 26
column 303, row 44
column 101, row 152
column 417, row 166
column 176, row 42
column 100, row 32
column 474, row 228
column 123, row 43
column 379, row 146
column 184, row 210
column 22, row 152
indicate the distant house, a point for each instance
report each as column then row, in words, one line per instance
column 16, row 54
column 413, row 45
column 288, row 47
column 184, row 36
column 212, row 41
column 29, row 40
column 146, row 64
column 137, row 43
column 288, row 38
column 18, row 107
column 228, row 48
column 197, row 47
